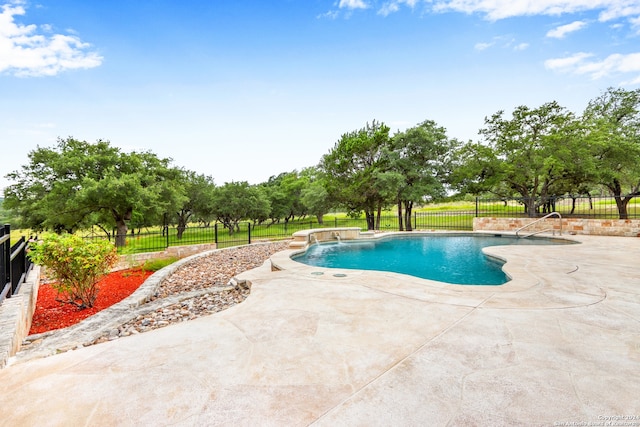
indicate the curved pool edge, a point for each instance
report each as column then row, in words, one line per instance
column 540, row 274
column 282, row 261
column 520, row 278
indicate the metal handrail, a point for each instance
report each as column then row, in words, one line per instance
column 538, row 220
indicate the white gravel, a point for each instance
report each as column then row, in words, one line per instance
column 197, row 289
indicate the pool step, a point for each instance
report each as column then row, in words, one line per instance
column 297, row 244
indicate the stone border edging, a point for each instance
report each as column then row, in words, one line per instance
column 15, row 315
column 91, row 328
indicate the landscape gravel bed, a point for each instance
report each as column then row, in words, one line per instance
column 197, row 288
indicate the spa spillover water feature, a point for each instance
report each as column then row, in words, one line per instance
column 450, row 258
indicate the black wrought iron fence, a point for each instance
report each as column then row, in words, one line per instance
column 14, row 263
column 583, row 206
column 447, row 220
column 458, row 217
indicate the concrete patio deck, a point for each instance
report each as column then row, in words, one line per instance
column 558, row 344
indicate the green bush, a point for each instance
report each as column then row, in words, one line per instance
column 76, row 264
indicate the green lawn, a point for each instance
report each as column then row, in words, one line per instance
column 437, row 216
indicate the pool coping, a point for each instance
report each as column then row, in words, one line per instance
column 520, row 278
column 368, row 349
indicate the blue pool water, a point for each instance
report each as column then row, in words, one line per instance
column 456, row 259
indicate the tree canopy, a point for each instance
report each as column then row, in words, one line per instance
column 6, row 216
column 531, row 153
column 421, row 156
column 78, row 183
column 368, row 170
column 528, row 154
column 198, row 204
column 612, row 123
column 284, row 192
column 548, row 151
column 355, row 168
column 235, row 201
column 314, row 195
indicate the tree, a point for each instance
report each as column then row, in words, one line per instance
column 421, row 156
column 235, row 201
column 355, row 169
column 528, row 154
column 66, row 187
column 45, row 189
column 476, row 170
column 258, row 205
column 613, row 133
column 314, row 195
column 284, row 193
column 139, row 182
column 5, row 215
column 199, row 191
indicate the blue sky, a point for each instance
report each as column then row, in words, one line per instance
column 242, row 90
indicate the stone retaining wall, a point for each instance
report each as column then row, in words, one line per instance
column 593, row 227
column 16, row 312
column 15, row 316
column 133, row 260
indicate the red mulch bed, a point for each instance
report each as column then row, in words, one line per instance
column 51, row 314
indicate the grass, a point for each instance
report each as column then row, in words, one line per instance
column 447, row 207
column 456, row 215
column 443, row 216
column 158, row 264
column 18, row 233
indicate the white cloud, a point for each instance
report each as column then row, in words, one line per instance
column 563, row 30
column 483, row 46
column 619, row 9
column 629, row 63
column 501, row 9
column 504, row 42
column 394, row 5
column 332, row 14
column 613, row 64
column 633, row 82
column 566, row 63
column 352, row 4
column 388, row 9
column 25, row 51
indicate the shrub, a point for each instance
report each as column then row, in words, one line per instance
column 76, row 264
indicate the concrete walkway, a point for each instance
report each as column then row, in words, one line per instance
column 559, row 343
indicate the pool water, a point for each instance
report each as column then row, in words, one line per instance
column 456, row 259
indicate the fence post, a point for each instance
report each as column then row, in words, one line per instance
column 166, row 228
column 23, row 255
column 249, row 230
column 6, row 231
column 336, row 221
column 476, row 207
column 215, row 233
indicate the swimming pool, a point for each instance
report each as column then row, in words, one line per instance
column 456, row 259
